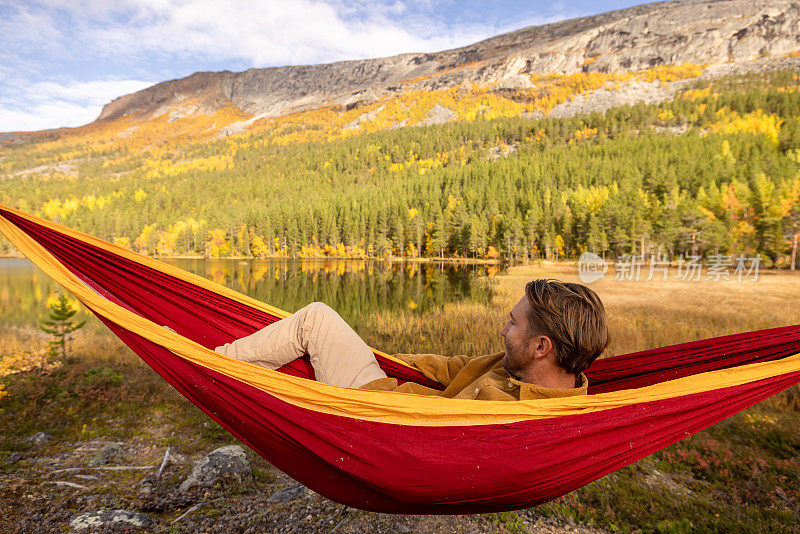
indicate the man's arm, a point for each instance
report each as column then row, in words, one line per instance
column 435, row 366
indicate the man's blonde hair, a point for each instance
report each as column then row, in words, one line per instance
column 573, row 317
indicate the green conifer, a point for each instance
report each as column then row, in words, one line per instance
column 60, row 326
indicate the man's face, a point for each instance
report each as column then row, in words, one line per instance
column 516, row 339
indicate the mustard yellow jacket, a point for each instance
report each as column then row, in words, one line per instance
column 475, row 377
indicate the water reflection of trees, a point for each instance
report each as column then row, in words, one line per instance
column 354, row 288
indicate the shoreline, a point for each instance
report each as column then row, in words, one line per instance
column 273, row 258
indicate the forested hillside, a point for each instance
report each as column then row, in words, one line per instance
column 715, row 170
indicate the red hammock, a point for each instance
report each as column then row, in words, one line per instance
column 423, row 460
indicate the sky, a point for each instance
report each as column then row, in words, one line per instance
column 62, row 60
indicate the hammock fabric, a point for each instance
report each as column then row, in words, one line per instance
column 396, row 452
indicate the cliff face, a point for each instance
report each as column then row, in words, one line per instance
column 698, row 31
column 212, row 87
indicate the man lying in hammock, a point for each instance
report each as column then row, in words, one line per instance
column 552, row 335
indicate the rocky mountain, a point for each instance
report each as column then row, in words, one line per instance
column 663, row 33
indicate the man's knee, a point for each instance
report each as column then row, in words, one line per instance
column 320, row 308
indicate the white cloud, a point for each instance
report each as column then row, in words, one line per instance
column 96, row 92
column 21, row 26
column 262, row 32
column 51, row 105
column 46, row 116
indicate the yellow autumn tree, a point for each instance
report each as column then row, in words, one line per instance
column 217, row 244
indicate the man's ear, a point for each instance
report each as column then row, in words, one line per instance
column 541, row 346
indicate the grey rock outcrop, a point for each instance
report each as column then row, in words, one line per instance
column 38, row 439
column 662, row 33
column 515, row 82
column 212, row 87
column 605, row 98
column 114, row 518
column 106, row 454
column 289, row 494
column 229, row 460
column 14, row 457
column 438, row 114
column 365, row 117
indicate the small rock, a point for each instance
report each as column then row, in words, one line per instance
column 146, row 485
column 288, row 494
column 38, row 439
column 229, row 460
column 100, row 518
column 176, row 458
column 14, row 457
column 105, row 455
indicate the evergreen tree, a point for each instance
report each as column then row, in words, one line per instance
column 789, row 137
column 416, row 232
column 438, row 234
column 398, row 239
column 60, row 326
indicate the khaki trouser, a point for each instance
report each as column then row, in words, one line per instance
column 339, row 356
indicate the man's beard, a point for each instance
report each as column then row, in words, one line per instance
column 512, row 358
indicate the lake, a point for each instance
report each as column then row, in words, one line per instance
column 352, row 287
